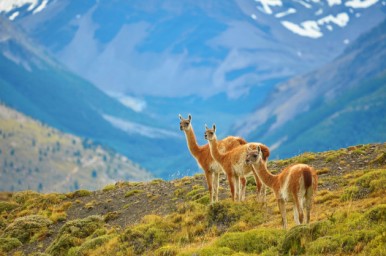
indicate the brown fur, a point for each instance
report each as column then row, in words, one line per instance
column 307, row 176
column 203, row 156
column 233, row 164
column 287, row 186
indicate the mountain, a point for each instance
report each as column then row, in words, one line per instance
column 37, row 157
column 339, row 104
column 348, row 215
column 169, row 49
column 34, row 83
column 217, row 61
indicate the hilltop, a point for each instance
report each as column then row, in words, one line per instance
column 30, row 150
column 174, row 217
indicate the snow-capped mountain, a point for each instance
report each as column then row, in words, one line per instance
column 315, row 18
column 217, row 60
column 169, row 48
column 339, row 104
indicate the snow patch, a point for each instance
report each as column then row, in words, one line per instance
column 267, row 4
column 334, row 2
column 253, row 16
column 7, row 6
column 312, row 28
column 341, row 19
column 361, row 3
column 14, row 15
column 306, row 28
column 283, row 14
column 41, row 7
column 307, row 5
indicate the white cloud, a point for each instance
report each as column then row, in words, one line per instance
column 143, row 130
column 136, row 104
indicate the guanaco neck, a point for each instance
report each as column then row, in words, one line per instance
column 266, row 177
column 213, row 145
column 191, row 140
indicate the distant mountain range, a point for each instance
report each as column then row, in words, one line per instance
column 40, row 87
column 184, row 48
column 340, row 104
column 36, row 157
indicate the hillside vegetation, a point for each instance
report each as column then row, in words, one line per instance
column 30, row 150
column 175, row 218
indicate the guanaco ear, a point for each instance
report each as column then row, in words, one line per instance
column 190, row 117
column 206, row 127
column 258, row 149
column 214, row 127
column 179, row 115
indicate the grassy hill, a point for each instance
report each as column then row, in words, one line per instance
column 35, row 156
column 174, row 218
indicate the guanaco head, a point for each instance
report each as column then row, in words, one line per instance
column 185, row 123
column 210, row 134
column 253, row 154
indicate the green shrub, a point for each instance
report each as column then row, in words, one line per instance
column 296, row 238
column 375, row 247
column 111, row 216
column 79, row 193
column 205, row 200
column 89, row 245
column 25, row 228
column 349, row 241
column 220, row 215
column 108, row 187
column 350, row 193
column 253, row 241
column 23, row 196
column 376, row 214
column 167, row 250
column 73, row 234
column 9, row 243
column 151, row 234
column 375, row 180
column 7, row 206
column 209, row 251
column 133, row 192
column 323, row 245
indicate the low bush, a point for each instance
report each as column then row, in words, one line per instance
column 24, row 228
column 9, row 243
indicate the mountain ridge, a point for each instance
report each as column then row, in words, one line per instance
column 32, row 150
column 359, row 65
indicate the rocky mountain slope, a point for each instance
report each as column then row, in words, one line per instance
column 338, row 104
column 37, row 157
column 174, row 218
